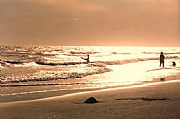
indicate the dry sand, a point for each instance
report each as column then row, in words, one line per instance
column 159, row 100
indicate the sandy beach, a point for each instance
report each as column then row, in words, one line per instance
column 124, row 55
column 160, row 100
column 124, row 88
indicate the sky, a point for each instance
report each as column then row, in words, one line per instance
column 90, row 22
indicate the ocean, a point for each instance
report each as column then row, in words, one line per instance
column 41, row 69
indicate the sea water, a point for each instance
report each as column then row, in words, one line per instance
column 40, row 69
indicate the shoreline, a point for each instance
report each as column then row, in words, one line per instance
column 66, row 95
column 61, row 93
column 160, row 100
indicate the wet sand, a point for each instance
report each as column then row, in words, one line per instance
column 160, row 100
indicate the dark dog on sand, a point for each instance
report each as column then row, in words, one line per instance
column 173, row 64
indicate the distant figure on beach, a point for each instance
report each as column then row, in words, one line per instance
column 162, row 59
column 173, row 64
column 87, row 59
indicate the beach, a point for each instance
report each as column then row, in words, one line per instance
column 160, row 100
column 89, row 59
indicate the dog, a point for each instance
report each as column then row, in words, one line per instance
column 173, row 64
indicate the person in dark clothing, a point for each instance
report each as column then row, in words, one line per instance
column 87, row 59
column 162, row 59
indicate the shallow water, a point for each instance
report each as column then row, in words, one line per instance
column 27, row 70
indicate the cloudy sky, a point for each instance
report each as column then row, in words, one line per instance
column 90, row 22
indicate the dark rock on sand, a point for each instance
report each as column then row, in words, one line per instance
column 91, row 100
column 162, row 79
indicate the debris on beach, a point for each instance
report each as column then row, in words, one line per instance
column 153, row 99
column 162, row 79
column 144, row 99
column 91, row 100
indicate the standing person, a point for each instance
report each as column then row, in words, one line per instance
column 162, row 59
column 88, row 58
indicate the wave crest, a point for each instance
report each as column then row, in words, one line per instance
column 55, row 75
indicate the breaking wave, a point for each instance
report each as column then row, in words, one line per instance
column 116, row 62
column 55, row 75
